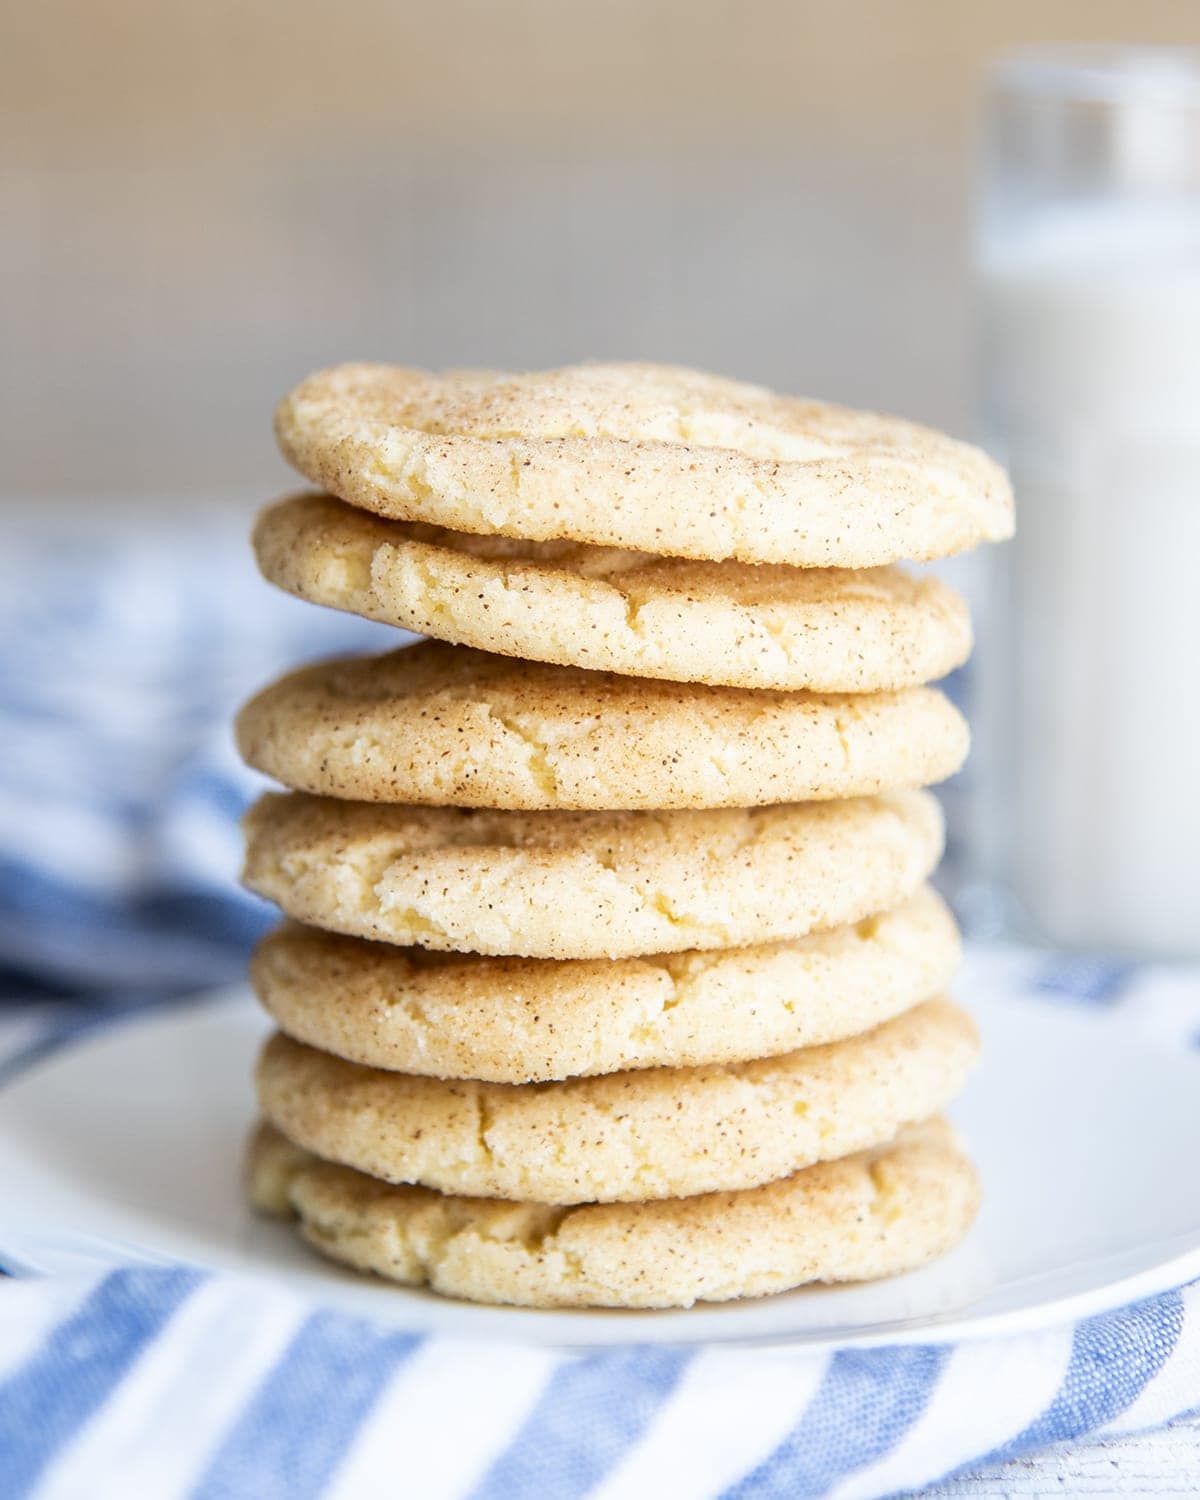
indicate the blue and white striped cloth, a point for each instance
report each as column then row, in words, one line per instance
column 122, row 660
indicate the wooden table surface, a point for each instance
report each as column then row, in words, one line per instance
column 1166, row 1462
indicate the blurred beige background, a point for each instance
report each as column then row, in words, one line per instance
column 198, row 203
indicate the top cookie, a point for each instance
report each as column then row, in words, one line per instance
column 650, row 457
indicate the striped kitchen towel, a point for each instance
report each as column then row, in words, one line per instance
column 122, row 655
column 165, row 1383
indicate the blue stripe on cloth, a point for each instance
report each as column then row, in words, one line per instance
column 865, row 1405
column 48, row 1399
column 167, row 941
column 307, row 1412
column 1114, row 1357
column 587, row 1419
column 226, row 915
column 209, row 788
column 1085, row 976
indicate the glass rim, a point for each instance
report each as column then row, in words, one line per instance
column 1101, row 74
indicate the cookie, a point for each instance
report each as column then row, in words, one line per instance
column 649, row 457
column 272, row 1163
column 449, row 726
column 588, row 884
column 830, row 630
column 530, row 1020
column 621, row 1137
column 873, row 1214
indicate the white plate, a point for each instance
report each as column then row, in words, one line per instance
column 125, row 1149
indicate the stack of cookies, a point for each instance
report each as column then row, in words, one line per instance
column 610, row 975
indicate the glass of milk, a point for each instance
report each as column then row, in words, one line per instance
column 1088, row 727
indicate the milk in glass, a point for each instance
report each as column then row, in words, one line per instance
column 1091, row 339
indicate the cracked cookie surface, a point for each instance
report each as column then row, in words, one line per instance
column 449, row 726
column 521, row 1020
column 873, row 1214
column 833, row 630
column 650, row 457
column 622, row 1137
column 588, row 884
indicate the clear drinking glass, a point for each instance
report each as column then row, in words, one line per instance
column 1087, row 823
